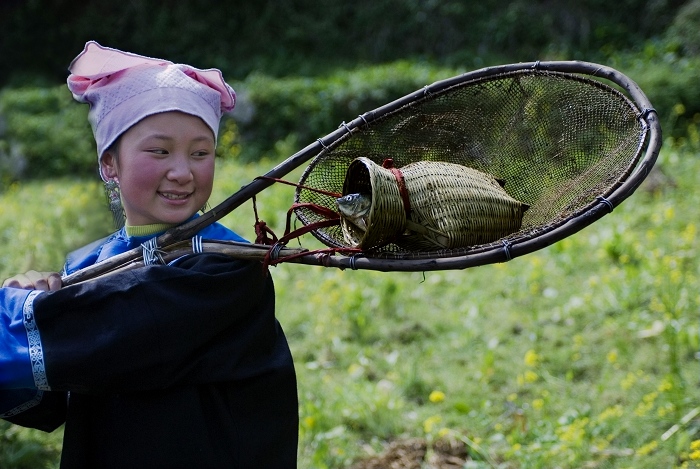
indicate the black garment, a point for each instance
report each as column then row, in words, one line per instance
column 169, row 366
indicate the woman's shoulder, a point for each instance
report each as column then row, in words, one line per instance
column 86, row 255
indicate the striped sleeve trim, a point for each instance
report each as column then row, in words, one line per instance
column 36, row 349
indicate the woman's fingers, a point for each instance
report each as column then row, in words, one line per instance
column 33, row 280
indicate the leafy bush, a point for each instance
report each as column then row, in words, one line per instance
column 305, row 109
column 671, row 83
column 674, row 90
column 685, row 28
column 45, row 134
column 271, row 109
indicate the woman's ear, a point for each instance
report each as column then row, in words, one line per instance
column 108, row 165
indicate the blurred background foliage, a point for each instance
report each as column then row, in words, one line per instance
column 302, row 67
column 303, row 37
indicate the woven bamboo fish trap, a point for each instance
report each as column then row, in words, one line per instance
column 429, row 205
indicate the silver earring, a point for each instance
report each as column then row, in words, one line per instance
column 115, row 203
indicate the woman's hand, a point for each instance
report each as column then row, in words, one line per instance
column 33, row 280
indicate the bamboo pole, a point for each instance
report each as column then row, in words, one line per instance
column 236, row 250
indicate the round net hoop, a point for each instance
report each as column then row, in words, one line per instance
column 565, row 142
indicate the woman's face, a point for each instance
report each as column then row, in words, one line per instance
column 165, row 168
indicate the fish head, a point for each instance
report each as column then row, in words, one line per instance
column 354, row 205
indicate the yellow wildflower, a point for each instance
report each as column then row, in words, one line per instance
column 574, row 432
column 689, row 233
column 676, row 277
column 309, row 422
column 629, row 381
column 665, row 385
column 443, row 432
column 430, row 422
column 531, row 358
column 436, row 396
column 647, row 448
column 669, row 213
column 611, row 412
column 643, row 408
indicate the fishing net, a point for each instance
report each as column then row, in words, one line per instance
column 559, row 142
column 566, row 142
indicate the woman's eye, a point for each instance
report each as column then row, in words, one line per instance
column 158, row 151
column 200, row 154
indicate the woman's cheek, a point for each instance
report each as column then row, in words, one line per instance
column 143, row 175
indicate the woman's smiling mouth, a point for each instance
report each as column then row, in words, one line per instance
column 173, row 196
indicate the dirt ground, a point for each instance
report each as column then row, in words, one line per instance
column 414, row 453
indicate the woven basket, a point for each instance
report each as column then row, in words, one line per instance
column 429, row 205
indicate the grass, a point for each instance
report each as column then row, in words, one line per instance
column 581, row 355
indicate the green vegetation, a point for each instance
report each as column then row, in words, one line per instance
column 45, row 134
column 584, row 354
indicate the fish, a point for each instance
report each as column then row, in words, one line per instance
column 355, row 208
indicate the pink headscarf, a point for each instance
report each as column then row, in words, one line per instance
column 123, row 88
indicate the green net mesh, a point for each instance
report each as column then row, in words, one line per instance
column 558, row 140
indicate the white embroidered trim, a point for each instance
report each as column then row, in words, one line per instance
column 36, row 349
column 24, row 406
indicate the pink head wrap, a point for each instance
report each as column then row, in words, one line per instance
column 123, row 88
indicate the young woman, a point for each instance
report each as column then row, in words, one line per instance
column 178, row 365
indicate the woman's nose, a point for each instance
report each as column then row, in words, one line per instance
column 180, row 170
